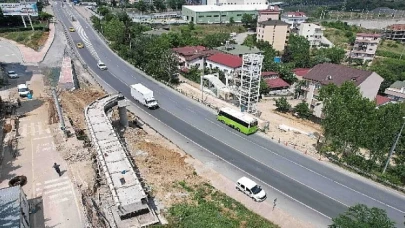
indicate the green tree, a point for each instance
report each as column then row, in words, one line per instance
column 303, row 110
column 231, row 21
column 247, row 20
column 360, row 216
column 269, row 54
column 142, row 6
column 103, row 10
column 328, row 55
column 297, row 51
column 285, row 73
column 250, row 40
column 159, row 5
column 114, row 30
column 264, row 88
column 282, row 105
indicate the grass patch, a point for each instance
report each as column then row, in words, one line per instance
column 337, row 37
column 390, row 49
column 203, row 30
column 32, row 39
column 213, row 209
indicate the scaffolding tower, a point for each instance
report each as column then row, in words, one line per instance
column 249, row 90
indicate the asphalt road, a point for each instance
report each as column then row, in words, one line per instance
column 318, row 186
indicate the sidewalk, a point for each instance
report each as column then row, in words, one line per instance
column 35, row 158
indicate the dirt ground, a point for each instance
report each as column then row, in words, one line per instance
column 161, row 164
column 300, row 141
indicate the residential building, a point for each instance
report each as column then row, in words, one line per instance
column 395, row 32
column 217, row 14
column 190, row 56
column 238, row 50
column 300, row 72
column 312, row 32
column 236, row 2
column 294, row 18
column 365, row 46
column 382, row 100
column 323, row 74
column 14, row 208
column 275, row 32
column 224, row 62
column 272, row 13
column 273, row 81
column 396, row 91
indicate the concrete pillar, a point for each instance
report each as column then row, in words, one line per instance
column 122, row 110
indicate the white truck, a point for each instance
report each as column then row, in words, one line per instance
column 144, row 96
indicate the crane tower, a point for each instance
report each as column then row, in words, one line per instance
column 250, row 82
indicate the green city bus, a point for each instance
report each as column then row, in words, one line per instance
column 237, row 120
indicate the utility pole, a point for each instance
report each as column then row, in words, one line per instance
column 393, row 147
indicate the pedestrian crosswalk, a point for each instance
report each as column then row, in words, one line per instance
column 55, row 191
column 86, row 40
column 34, row 129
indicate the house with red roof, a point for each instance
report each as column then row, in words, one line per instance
column 294, row 18
column 273, row 81
column 368, row 82
column 300, row 72
column 227, row 63
column 382, row 100
column 190, row 56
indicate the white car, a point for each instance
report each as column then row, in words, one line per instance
column 23, row 90
column 251, row 189
column 101, row 65
column 12, row 74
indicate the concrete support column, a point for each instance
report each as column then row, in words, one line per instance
column 122, row 110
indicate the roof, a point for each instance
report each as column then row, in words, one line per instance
column 274, row 83
column 295, row 14
column 194, row 52
column 213, row 8
column 271, row 9
column 327, row 73
column 368, row 35
column 228, row 60
column 269, row 73
column 10, row 208
column 301, row 71
column 247, row 182
column 397, row 27
column 398, row 85
column 239, row 115
column 380, row 100
column 273, row 22
column 22, row 86
column 237, row 49
column 141, row 88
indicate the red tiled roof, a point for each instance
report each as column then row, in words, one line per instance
column 228, row 60
column 269, row 73
column 274, row 83
column 327, row 73
column 271, row 9
column 296, row 14
column 380, row 100
column 193, row 52
column 301, row 71
column 397, row 27
column 368, row 35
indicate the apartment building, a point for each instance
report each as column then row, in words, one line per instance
column 294, row 18
column 312, row 32
column 368, row 82
column 396, row 91
column 272, row 13
column 365, row 46
column 275, row 32
column 395, row 32
column 192, row 56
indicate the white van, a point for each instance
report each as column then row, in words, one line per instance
column 23, row 90
column 251, row 189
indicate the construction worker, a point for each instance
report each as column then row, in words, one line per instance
column 57, row 169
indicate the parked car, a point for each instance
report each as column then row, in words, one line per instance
column 80, row 45
column 12, row 74
column 72, row 29
column 23, row 90
column 101, row 65
column 251, row 189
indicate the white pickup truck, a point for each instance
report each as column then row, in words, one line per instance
column 144, row 96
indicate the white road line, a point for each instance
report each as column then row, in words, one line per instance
column 45, row 137
column 56, row 180
column 60, row 194
column 59, row 201
column 57, row 190
column 57, row 184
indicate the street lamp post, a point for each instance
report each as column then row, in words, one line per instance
column 393, row 146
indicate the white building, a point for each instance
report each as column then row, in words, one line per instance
column 224, row 62
column 312, row 32
column 236, row 2
column 14, row 208
column 365, row 46
column 294, row 18
column 192, row 56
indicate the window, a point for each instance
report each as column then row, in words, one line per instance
column 223, row 15
column 216, row 15
column 209, row 16
column 238, row 15
column 226, row 115
column 201, row 16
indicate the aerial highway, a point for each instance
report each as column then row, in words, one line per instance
column 321, row 188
